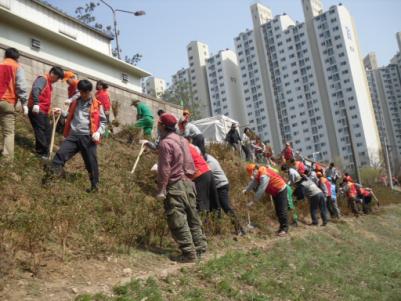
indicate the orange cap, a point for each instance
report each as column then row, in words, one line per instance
column 68, row 75
column 250, row 168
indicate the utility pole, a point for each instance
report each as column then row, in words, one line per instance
column 114, row 11
column 354, row 158
column 388, row 167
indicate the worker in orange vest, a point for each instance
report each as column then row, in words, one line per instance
column 84, row 126
column 39, row 104
column 265, row 180
column 103, row 96
column 299, row 166
column 12, row 88
column 72, row 81
column 326, row 186
column 350, row 190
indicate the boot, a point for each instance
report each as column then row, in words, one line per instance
column 184, row 257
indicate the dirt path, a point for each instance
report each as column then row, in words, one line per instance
column 64, row 281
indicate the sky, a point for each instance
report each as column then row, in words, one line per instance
column 162, row 35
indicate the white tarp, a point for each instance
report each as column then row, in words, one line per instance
column 215, row 128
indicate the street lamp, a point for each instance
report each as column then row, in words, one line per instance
column 114, row 11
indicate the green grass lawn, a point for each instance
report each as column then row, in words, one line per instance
column 358, row 260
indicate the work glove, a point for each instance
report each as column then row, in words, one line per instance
column 35, row 109
column 244, row 191
column 56, row 111
column 67, row 102
column 154, row 168
column 25, row 109
column 250, row 204
column 161, row 196
column 96, row 136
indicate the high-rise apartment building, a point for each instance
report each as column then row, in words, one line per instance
column 224, row 84
column 154, row 86
column 385, row 90
column 198, row 53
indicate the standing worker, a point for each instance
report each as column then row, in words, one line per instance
column 84, row 126
column 287, row 153
column 265, row 180
column 190, row 130
column 39, row 108
column 233, row 138
column 72, row 81
column 175, row 165
column 12, row 88
column 103, row 96
column 144, row 117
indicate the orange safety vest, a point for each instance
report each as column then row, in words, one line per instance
column 300, row 167
column 276, row 182
column 94, row 117
column 8, row 74
column 352, row 192
column 201, row 165
column 45, row 97
column 327, row 183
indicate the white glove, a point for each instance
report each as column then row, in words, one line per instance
column 64, row 113
column 161, row 196
column 67, row 102
column 244, row 191
column 25, row 109
column 154, row 168
column 96, row 136
column 35, row 109
column 250, row 204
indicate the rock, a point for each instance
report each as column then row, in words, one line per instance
column 127, row 271
column 74, row 290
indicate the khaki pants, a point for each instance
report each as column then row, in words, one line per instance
column 7, row 124
column 182, row 217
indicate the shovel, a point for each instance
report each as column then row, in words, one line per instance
column 249, row 225
column 139, row 155
column 55, row 121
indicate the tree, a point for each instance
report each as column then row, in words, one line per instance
column 181, row 94
column 86, row 15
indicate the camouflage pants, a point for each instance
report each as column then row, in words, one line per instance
column 182, row 217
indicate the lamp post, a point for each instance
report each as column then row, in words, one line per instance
column 114, row 11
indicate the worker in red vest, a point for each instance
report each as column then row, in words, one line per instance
column 265, row 180
column 326, row 186
column 39, row 105
column 299, row 166
column 12, row 88
column 84, row 126
column 350, row 190
column 287, row 153
column 103, row 96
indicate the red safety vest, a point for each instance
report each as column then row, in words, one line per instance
column 327, row 183
column 201, row 165
column 8, row 74
column 104, row 98
column 72, row 88
column 300, row 167
column 94, row 117
column 288, row 154
column 45, row 97
column 276, row 182
column 352, row 192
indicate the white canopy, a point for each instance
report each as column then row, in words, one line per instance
column 215, row 128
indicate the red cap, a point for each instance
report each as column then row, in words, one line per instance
column 168, row 119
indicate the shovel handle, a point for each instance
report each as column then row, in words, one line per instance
column 137, row 159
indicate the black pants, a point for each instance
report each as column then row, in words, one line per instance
column 224, row 201
column 281, row 206
column 206, row 193
column 43, row 132
column 318, row 202
column 83, row 144
column 199, row 141
column 247, row 152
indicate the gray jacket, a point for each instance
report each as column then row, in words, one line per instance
column 219, row 176
column 310, row 188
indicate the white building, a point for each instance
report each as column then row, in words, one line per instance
column 154, row 86
column 40, row 30
column 198, row 53
column 224, row 84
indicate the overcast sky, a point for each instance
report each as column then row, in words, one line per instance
column 162, row 35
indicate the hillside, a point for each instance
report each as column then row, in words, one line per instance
column 58, row 238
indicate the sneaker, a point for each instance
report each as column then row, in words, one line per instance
column 324, row 224
column 282, row 233
column 199, row 253
column 184, row 258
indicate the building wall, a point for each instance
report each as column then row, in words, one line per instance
column 34, row 66
column 224, row 86
column 198, row 53
column 154, row 86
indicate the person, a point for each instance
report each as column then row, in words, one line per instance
column 233, row 138
column 247, row 145
column 190, row 130
column 175, row 165
column 332, row 205
column 306, row 188
column 223, row 187
column 206, row 192
column 366, row 194
column 144, row 117
column 351, row 193
column 259, row 148
column 287, row 153
column 298, row 166
column 85, row 124
column 12, row 88
column 292, row 206
column 103, row 96
column 39, row 105
column 332, row 173
column 72, row 92
column 326, row 186
column 265, row 180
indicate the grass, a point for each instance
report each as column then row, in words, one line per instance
column 357, row 260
